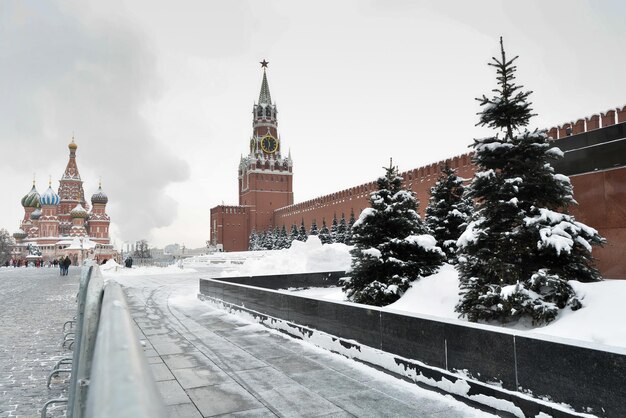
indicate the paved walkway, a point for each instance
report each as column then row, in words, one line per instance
column 34, row 304
column 206, row 362
column 209, row 363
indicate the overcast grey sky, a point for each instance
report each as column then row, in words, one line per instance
column 160, row 93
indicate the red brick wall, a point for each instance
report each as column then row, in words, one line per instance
column 419, row 180
column 601, row 197
column 229, row 226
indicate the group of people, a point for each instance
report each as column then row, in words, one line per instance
column 128, row 262
column 64, row 265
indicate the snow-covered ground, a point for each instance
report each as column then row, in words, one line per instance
column 599, row 321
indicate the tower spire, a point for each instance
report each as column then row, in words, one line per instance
column 264, row 95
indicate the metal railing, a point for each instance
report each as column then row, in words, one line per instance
column 110, row 376
column 121, row 384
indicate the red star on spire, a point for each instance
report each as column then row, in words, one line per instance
column 264, row 63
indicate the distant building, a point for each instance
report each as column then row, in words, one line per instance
column 63, row 223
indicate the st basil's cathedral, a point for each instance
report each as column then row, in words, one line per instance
column 59, row 224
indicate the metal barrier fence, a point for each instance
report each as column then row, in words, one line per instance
column 110, row 375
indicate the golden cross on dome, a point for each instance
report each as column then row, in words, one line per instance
column 264, row 63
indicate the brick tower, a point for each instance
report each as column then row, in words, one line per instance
column 265, row 180
column 265, row 177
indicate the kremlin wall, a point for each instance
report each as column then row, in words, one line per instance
column 595, row 160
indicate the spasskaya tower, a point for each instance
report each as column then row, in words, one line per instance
column 265, row 179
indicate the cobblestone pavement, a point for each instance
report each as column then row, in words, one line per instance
column 34, row 304
column 209, row 363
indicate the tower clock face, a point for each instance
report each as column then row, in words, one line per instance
column 269, row 144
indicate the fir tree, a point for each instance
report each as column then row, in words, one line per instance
column 261, row 237
column 276, row 239
column 333, row 229
column 348, row 235
column 342, row 229
column 282, row 240
column 448, row 211
column 325, row 233
column 313, row 230
column 253, row 241
column 268, row 240
column 302, row 235
column 391, row 246
column 521, row 246
column 293, row 236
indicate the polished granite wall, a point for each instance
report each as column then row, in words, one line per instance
column 581, row 377
column 286, row 281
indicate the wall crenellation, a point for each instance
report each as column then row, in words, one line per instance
column 596, row 121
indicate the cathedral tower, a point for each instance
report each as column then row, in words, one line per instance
column 48, row 221
column 70, row 191
column 98, row 219
column 265, row 176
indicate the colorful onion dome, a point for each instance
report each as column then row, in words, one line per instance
column 49, row 197
column 36, row 214
column 72, row 145
column 99, row 196
column 78, row 212
column 19, row 234
column 31, row 200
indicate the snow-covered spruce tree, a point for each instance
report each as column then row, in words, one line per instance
column 282, row 239
column 391, row 245
column 342, row 229
column 253, row 241
column 302, row 235
column 324, row 233
column 260, row 241
column 448, row 211
column 521, row 246
column 276, row 239
column 333, row 229
column 348, row 235
column 313, row 230
column 293, row 235
column 268, row 240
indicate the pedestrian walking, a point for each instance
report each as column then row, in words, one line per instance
column 66, row 265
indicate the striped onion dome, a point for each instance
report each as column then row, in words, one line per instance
column 36, row 214
column 49, row 197
column 31, row 200
column 99, row 196
column 19, row 234
column 78, row 212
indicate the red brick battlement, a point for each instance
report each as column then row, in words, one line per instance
column 597, row 121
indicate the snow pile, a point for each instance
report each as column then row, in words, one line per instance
column 435, row 295
column 115, row 270
column 301, row 257
column 110, row 265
